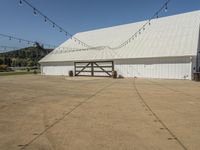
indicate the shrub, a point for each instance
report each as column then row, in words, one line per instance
column 35, row 72
column 3, row 67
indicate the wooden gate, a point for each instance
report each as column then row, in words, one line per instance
column 94, row 68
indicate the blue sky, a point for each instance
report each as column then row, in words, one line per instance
column 78, row 15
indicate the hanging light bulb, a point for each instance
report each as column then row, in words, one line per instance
column 166, row 8
column 34, row 11
column 45, row 19
column 20, row 2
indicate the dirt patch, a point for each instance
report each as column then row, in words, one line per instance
column 46, row 112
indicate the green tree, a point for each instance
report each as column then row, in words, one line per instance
column 1, row 61
column 30, row 63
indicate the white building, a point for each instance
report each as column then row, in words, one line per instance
column 167, row 48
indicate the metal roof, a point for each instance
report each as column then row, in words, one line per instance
column 166, row 37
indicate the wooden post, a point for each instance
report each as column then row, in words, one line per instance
column 74, row 68
column 113, row 66
column 92, row 69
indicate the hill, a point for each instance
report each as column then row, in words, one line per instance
column 25, row 57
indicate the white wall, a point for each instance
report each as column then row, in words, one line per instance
column 164, row 68
column 56, row 68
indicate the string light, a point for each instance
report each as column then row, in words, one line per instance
column 36, row 11
column 20, row 40
column 156, row 15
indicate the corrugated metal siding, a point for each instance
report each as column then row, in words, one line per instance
column 162, row 71
column 166, row 37
column 56, row 70
column 163, row 68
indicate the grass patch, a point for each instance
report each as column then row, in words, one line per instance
column 14, row 73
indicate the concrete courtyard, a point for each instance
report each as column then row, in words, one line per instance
column 83, row 113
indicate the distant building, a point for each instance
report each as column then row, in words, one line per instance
column 168, row 48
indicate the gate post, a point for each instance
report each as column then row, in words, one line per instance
column 74, row 68
column 92, row 69
column 113, row 66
